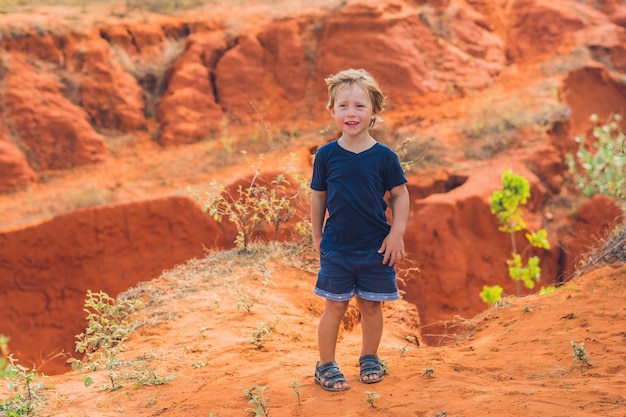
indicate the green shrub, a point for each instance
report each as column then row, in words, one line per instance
column 108, row 327
column 258, row 202
column 258, row 399
column 26, row 387
column 599, row 167
column 506, row 206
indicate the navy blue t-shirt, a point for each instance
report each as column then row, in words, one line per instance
column 355, row 185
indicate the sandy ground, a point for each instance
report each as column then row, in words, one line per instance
column 192, row 355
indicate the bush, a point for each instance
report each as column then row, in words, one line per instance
column 600, row 167
column 506, row 206
column 258, row 202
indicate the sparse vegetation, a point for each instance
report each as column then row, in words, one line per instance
column 157, row 6
column 495, row 118
column 428, row 372
column 402, row 150
column 258, row 202
column 611, row 250
column 246, row 300
column 151, row 74
column 108, row 327
column 88, row 196
column 26, row 385
column 403, row 349
column 370, row 397
column 262, row 332
column 580, row 355
column 599, row 165
column 295, row 386
column 259, row 400
column 506, row 206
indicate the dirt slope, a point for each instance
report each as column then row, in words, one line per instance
column 514, row 360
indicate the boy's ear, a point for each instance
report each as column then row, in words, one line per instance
column 332, row 111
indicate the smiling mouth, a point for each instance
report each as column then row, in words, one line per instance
column 352, row 123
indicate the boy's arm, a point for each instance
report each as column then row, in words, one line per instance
column 393, row 245
column 318, row 213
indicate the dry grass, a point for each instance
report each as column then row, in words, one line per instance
column 609, row 251
column 7, row 6
column 156, row 6
column 150, row 74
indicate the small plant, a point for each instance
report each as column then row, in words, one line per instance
column 405, row 349
column 255, row 203
column 295, row 386
column 199, row 365
column 114, row 383
column 303, row 230
column 601, row 169
column 246, row 300
column 240, row 208
column 137, row 372
column 385, row 366
column 506, row 206
column 370, row 396
column 146, row 376
column 87, row 380
column 107, row 327
column 276, row 208
column 580, row 355
column 262, row 333
column 23, row 382
column 428, row 372
column 491, row 294
column 402, row 150
column 257, row 397
column 5, row 369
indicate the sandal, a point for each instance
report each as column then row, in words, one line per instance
column 327, row 375
column 370, row 365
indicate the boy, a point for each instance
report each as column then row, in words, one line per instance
column 358, row 247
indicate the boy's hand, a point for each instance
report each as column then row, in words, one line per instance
column 393, row 249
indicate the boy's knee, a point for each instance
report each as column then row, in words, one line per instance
column 337, row 307
column 369, row 307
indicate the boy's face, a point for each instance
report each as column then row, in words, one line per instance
column 352, row 110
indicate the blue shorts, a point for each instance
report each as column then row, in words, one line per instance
column 344, row 274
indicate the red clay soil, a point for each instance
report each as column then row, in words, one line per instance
column 514, row 360
column 111, row 115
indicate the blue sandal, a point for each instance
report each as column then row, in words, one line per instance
column 327, row 375
column 370, row 365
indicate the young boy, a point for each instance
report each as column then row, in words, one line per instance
column 358, row 247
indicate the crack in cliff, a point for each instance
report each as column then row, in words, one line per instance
column 211, row 62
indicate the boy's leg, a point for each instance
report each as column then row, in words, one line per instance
column 328, row 331
column 372, row 327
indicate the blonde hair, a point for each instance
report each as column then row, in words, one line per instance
column 363, row 79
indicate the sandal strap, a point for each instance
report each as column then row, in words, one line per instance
column 330, row 373
column 370, row 365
